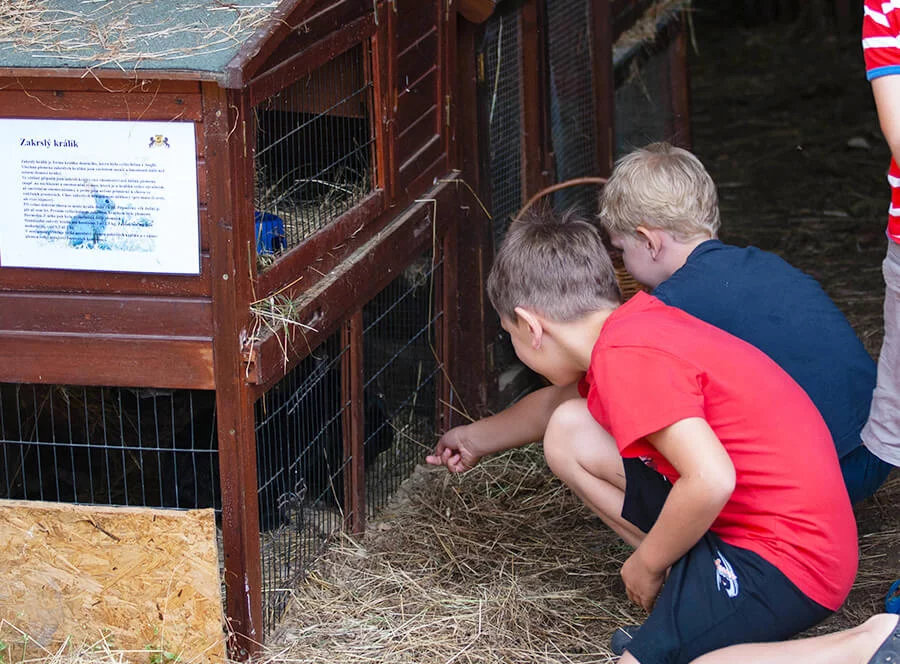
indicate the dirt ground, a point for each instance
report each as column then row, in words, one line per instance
column 784, row 120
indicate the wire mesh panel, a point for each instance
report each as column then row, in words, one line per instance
column 314, row 153
column 108, row 445
column 402, row 377
column 303, row 454
column 502, row 52
column 300, row 468
column 572, row 106
column 643, row 106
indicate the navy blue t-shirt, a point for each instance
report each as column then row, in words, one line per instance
column 762, row 299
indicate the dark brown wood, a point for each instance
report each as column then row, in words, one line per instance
column 69, row 281
column 476, row 11
column 416, row 100
column 445, row 285
column 422, row 167
column 355, row 281
column 231, row 211
column 679, row 91
column 417, row 61
column 604, row 86
column 420, row 133
column 162, row 317
column 467, row 356
column 354, row 423
column 449, row 54
column 80, row 73
column 321, row 21
column 287, row 72
column 77, row 105
column 128, row 361
column 386, row 44
column 376, row 70
column 533, row 90
column 254, row 52
column 92, row 84
column 417, row 19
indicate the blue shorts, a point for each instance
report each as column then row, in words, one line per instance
column 863, row 473
column 716, row 595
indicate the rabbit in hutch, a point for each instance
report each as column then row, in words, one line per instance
column 86, row 228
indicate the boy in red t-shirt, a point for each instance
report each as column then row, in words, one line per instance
column 742, row 529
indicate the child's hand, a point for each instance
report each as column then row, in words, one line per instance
column 455, row 451
column 642, row 583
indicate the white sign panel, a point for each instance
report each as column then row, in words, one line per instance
column 99, row 195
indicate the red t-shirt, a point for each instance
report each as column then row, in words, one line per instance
column 654, row 365
column 881, row 50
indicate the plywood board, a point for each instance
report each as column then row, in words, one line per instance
column 137, row 579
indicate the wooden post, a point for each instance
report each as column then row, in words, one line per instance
column 679, row 93
column 467, row 358
column 353, row 418
column 604, row 86
column 228, row 122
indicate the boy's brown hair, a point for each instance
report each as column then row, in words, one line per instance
column 554, row 265
column 660, row 186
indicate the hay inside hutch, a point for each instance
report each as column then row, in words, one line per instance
column 228, row 278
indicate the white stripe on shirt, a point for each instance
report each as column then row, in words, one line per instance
column 880, row 19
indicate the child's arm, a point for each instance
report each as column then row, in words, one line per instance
column 706, row 482
column 524, row 422
column 886, row 90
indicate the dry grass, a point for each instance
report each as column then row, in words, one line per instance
column 103, row 32
column 499, row 564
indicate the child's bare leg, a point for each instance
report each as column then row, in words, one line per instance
column 584, row 456
column 852, row 646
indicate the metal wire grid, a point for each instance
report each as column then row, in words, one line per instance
column 502, row 56
column 108, row 446
column 300, row 469
column 314, row 156
column 402, row 378
column 642, row 104
column 572, row 107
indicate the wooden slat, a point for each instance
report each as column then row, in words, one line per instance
column 416, row 100
column 71, row 281
column 128, row 361
column 106, row 315
column 604, row 86
column 77, row 105
column 416, row 19
column 429, row 161
column 418, row 60
column 354, row 422
column 679, row 91
column 420, row 133
column 92, row 84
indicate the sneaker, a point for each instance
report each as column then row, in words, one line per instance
column 622, row 637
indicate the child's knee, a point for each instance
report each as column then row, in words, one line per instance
column 563, row 428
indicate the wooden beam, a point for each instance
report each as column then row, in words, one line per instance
column 231, row 211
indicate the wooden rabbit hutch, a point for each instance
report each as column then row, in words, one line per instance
column 244, row 247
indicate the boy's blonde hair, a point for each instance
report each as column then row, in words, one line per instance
column 660, row 186
column 554, row 265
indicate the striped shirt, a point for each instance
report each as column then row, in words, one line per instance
column 881, row 49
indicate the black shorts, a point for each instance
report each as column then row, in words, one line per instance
column 716, row 595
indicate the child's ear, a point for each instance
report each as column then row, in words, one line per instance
column 535, row 327
column 652, row 240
